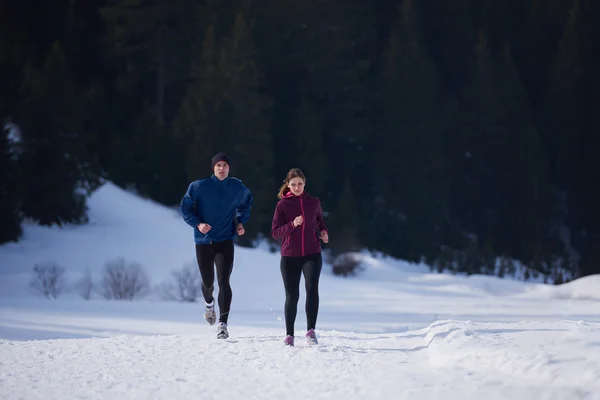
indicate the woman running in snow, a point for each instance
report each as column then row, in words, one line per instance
column 298, row 222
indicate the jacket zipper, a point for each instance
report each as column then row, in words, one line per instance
column 303, row 223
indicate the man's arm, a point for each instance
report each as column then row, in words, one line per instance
column 242, row 214
column 188, row 207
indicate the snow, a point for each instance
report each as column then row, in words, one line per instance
column 15, row 139
column 394, row 330
column 14, row 133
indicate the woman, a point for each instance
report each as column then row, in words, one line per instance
column 298, row 222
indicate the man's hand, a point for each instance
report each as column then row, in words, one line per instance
column 240, row 229
column 204, row 227
column 324, row 236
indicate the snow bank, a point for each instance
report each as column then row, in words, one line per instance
column 556, row 354
column 447, row 360
column 586, row 288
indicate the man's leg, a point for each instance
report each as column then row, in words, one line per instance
column 224, row 252
column 205, row 258
column 291, row 272
column 312, row 271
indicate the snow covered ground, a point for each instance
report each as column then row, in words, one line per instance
column 395, row 331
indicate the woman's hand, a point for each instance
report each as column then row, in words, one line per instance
column 298, row 221
column 324, row 236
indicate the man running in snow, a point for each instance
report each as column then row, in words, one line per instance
column 217, row 209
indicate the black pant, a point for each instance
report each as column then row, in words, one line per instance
column 292, row 269
column 221, row 255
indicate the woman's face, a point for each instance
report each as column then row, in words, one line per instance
column 296, row 186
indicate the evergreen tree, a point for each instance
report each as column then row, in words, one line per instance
column 545, row 21
column 247, row 137
column 226, row 110
column 457, row 157
column 577, row 127
column 504, row 179
column 10, row 213
column 344, row 225
column 148, row 45
column 534, row 202
column 409, row 162
column 10, row 195
column 197, row 123
column 303, row 147
column 449, row 29
column 478, row 180
column 59, row 169
column 559, row 121
column 337, row 44
column 151, row 38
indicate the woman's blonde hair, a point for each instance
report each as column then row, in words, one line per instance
column 292, row 173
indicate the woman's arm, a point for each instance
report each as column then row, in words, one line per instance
column 280, row 226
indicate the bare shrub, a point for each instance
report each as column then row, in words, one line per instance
column 124, row 281
column 186, row 285
column 85, row 285
column 166, row 291
column 346, row 264
column 49, row 280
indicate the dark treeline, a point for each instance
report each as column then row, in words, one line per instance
column 459, row 131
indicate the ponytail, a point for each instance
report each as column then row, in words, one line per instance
column 283, row 190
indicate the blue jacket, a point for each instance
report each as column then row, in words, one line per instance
column 221, row 204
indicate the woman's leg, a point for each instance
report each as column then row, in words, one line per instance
column 312, row 272
column 291, row 272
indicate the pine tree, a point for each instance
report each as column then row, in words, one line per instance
column 303, row 139
column 10, row 213
column 344, row 224
column 197, row 123
column 337, row 44
column 450, row 32
column 226, row 110
column 59, row 169
column 559, row 122
column 10, row 195
column 534, row 204
column 504, row 182
column 545, row 20
column 151, row 37
column 410, row 165
column 575, row 130
column 248, row 139
column 479, row 185
column 148, row 46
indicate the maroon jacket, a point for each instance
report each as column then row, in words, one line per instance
column 304, row 239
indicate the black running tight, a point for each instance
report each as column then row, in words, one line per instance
column 292, row 269
column 220, row 255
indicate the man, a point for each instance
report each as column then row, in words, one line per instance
column 217, row 208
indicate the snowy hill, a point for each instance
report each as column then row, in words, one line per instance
column 394, row 331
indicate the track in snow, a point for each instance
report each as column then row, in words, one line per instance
column 447, row 360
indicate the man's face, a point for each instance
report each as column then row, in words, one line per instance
column 221, row 170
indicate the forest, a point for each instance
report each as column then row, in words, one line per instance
column 461, row 133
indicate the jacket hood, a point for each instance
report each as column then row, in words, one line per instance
column 289, row 195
